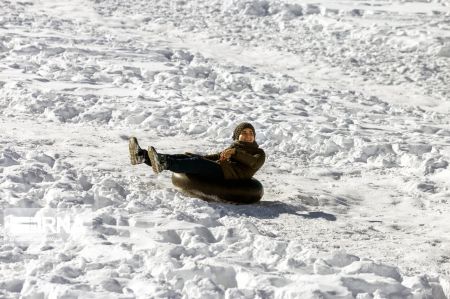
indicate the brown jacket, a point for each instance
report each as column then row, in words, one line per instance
column 243, row 164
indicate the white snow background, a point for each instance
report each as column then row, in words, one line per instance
column 350, row 100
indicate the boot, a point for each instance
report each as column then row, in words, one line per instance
column 158, row 161
column 136, row 153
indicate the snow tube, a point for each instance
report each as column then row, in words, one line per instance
column 233, row 191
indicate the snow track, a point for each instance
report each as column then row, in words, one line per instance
column 350, row 103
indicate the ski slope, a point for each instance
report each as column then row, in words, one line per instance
column 350, row 100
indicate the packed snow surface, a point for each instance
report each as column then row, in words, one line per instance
column 350, row 100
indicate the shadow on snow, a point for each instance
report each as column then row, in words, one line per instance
column 271, row 210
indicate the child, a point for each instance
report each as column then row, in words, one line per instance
column 240, row 161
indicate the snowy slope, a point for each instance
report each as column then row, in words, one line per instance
column 350, row 100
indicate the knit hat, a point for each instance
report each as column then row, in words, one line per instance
column 240, row 127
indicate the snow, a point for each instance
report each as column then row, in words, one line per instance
column 350, row 102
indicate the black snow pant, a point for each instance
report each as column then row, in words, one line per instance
column 191, row 164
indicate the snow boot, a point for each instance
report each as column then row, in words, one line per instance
column 136, row 153
column 158, row 161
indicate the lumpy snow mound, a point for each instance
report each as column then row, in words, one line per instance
column 350, row 100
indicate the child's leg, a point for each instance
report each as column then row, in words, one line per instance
column 194, row 165
column 146, row 158
column 191, row 164
column 149, row 163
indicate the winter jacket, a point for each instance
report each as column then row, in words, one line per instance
column 244, row 163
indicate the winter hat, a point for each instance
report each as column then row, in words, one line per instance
column 240, row 127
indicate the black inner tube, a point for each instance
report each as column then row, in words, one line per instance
column 234, row 191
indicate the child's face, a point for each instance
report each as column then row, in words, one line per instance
column 247, row 135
